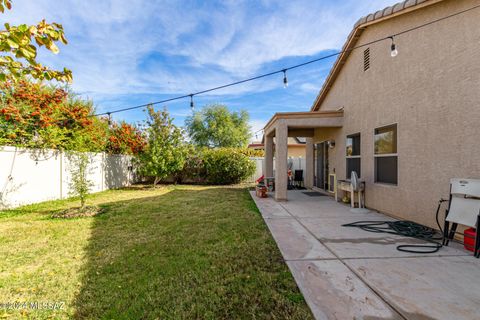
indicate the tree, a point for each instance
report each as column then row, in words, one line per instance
column 125, row 139
column 215, row 127
column 38, row 115
column 18, row 52
column 80, row 184
column 165, row 151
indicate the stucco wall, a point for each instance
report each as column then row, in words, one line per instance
column 431, row 90
column 296, row 151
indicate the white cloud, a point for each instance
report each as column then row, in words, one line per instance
column 112, row 42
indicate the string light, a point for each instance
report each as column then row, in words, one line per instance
column 109, row 114
column 284, row 70
column 393, row 48
column 393, row 53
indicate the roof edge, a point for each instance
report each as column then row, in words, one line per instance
column 362, row 23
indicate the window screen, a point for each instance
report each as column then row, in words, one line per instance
column 386, row 157
column 353, row 154
column 353, row 145
column 386, row 169
column 353, row 164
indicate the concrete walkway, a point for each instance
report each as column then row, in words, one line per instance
column 347, row 273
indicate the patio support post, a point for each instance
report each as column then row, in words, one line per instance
column 281, row 152
column 309, row 164
column 268, row 165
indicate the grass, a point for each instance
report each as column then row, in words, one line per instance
column 178, row 252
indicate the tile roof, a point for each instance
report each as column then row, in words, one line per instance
column 360, row 25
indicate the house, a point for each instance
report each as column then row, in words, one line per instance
column 404, row 112
column 296, row 146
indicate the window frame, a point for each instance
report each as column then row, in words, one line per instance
column 359, row 156
column 385, row 155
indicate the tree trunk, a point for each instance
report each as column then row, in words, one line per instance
column 157, row 179
column 82, row 203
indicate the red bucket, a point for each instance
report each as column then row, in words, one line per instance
column 469, row 239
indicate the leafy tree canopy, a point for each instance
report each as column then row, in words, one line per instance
column 39, row 115
column 216, row 127
column 18, row 49
column 165, row 151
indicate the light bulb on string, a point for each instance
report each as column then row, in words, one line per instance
column 285, row 80
column 192, row 105
column 393, row 49
column 109, row 118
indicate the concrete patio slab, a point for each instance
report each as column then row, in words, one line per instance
column 333, row 292
column 295, row 242
column 348, row 242
column 425, row 288
column 310, row 209
column 269, row 209
column 348, row 273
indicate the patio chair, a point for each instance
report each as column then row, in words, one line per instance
column 298, row 179
column 463, row 208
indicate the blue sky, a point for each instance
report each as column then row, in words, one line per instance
column 129, row 52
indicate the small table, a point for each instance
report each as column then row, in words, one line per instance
column 346, row 185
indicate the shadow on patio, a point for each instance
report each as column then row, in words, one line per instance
column 348, row 273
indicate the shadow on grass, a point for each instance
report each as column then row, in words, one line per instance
column 186, row 254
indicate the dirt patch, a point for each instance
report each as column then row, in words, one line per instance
column 88, row 211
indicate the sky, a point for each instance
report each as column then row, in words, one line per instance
column 130, row 52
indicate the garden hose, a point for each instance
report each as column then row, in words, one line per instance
column 407, row 229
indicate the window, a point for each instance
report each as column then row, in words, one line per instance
column 386, row 158
column 353, row 154
column 366, row 59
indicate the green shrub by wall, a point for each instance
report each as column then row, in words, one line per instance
column 227, row 166
column 216, row 166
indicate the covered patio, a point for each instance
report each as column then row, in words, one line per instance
column 294, row 124
column 348, row 273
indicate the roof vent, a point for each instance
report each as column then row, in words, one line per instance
column 366, row 59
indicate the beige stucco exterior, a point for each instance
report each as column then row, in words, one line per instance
column 431, row 90
column 295, row 149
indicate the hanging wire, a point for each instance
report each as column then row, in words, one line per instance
column 192, row 105
column 297, row 65
column 283, row 70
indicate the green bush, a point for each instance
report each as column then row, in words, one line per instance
column 193, row 170
column 215, row 166
column 227, row 166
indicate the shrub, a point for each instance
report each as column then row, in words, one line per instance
column 37, row 115
column 125, row 139
column 226, row 166
column 253, row 152
column 193, row 170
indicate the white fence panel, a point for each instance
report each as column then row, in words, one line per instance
column 31, row 176
column 293, row 163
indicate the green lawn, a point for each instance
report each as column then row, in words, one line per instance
column 178, row 252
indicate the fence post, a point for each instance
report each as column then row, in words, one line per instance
column 61, row 174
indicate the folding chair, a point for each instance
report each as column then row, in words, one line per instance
column 463, row 208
